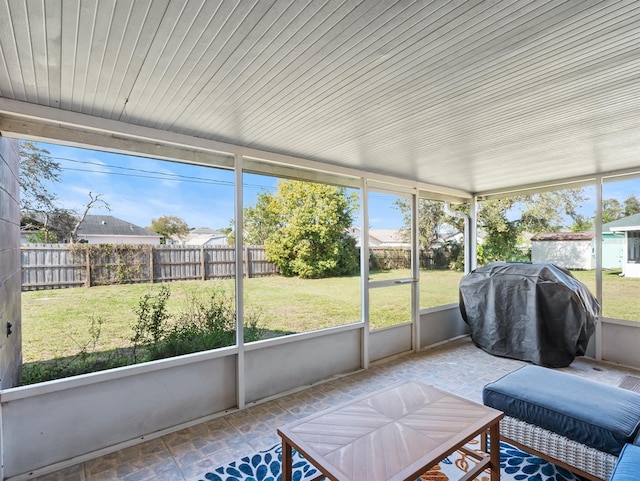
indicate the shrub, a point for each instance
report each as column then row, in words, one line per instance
column 151, row 326
column 204, row 324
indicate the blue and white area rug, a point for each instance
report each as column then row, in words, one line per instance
column 516, row 465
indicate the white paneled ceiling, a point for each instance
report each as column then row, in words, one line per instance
column 475, row 95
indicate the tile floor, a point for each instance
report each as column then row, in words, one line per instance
column 188, row 454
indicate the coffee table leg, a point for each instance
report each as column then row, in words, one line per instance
column 286, row 461
column 494, row 437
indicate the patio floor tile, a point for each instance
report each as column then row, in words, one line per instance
column 187, row 454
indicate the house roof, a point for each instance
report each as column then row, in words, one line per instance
column 465, row 97
column 388, row 236
column 202, row 235
column 629, row 221
column 204, row 231
column 200, row 240
column 564, row 236
column 109, row 225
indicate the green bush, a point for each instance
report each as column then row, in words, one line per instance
column 151, row 326
column 307, row 229
column 205, row 324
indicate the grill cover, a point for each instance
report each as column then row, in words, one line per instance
column 532, row 312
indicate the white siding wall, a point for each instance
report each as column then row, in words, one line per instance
column 567, row 254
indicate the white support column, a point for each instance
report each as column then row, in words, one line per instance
column 472, row 236
column 415, row 272
column 364, row 271
column 239, row 223
column 598, row 222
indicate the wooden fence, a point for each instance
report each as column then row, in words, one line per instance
column 381, row 257
column 58, row 266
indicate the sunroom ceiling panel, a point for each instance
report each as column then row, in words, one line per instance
column 253, row 43
column 475, row 95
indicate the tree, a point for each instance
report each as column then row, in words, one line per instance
column 631, row 205
column 581, row 224
column 260, row 220
column 547, row 211
column 59, row 225
column 229, row 232
column 431, row 217
column 305, row 229
column 611, row 210
column 504, row 221
column 37, row 170
column 169, row 225
column 94, row 201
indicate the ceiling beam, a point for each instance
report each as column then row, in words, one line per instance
column 25, row 120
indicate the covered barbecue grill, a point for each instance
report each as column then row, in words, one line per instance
column 532, row 312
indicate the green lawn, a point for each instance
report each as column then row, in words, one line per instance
column 620, row 295
column 56, row 322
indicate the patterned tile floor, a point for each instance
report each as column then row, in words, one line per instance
column 188, row 454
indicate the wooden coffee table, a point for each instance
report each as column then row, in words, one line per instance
column 396, row 433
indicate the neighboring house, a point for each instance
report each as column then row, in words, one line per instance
column 382, row 238
column 202, row 236
column 613, row 239
column 618, row 241
column 388, row 238
column 106, row 229
column 630, row 249
column 571, row 250
column 395, row 238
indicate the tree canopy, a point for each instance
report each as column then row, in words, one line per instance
column 431, row 217
column 39, row 209
column 37, row 171
column 95, row 201
column 260, row 220
column 503, row 221
column 613, row 209
column 304, row 229
column 169, row 225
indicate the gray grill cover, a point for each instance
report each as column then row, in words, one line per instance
column 533, row 312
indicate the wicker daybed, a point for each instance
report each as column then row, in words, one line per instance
column 576, row 423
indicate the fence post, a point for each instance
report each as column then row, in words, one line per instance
column 203, row 264
column 247, row 265
column 87, row 282
column 151, row 264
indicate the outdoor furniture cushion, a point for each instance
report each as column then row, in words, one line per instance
column 628, row 465
column 603, row 417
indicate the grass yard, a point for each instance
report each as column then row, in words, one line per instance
column 620, row 295
column 56, row 323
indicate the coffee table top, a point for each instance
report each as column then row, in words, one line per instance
column 393, row 434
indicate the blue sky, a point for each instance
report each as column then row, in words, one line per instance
column 139, row 189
